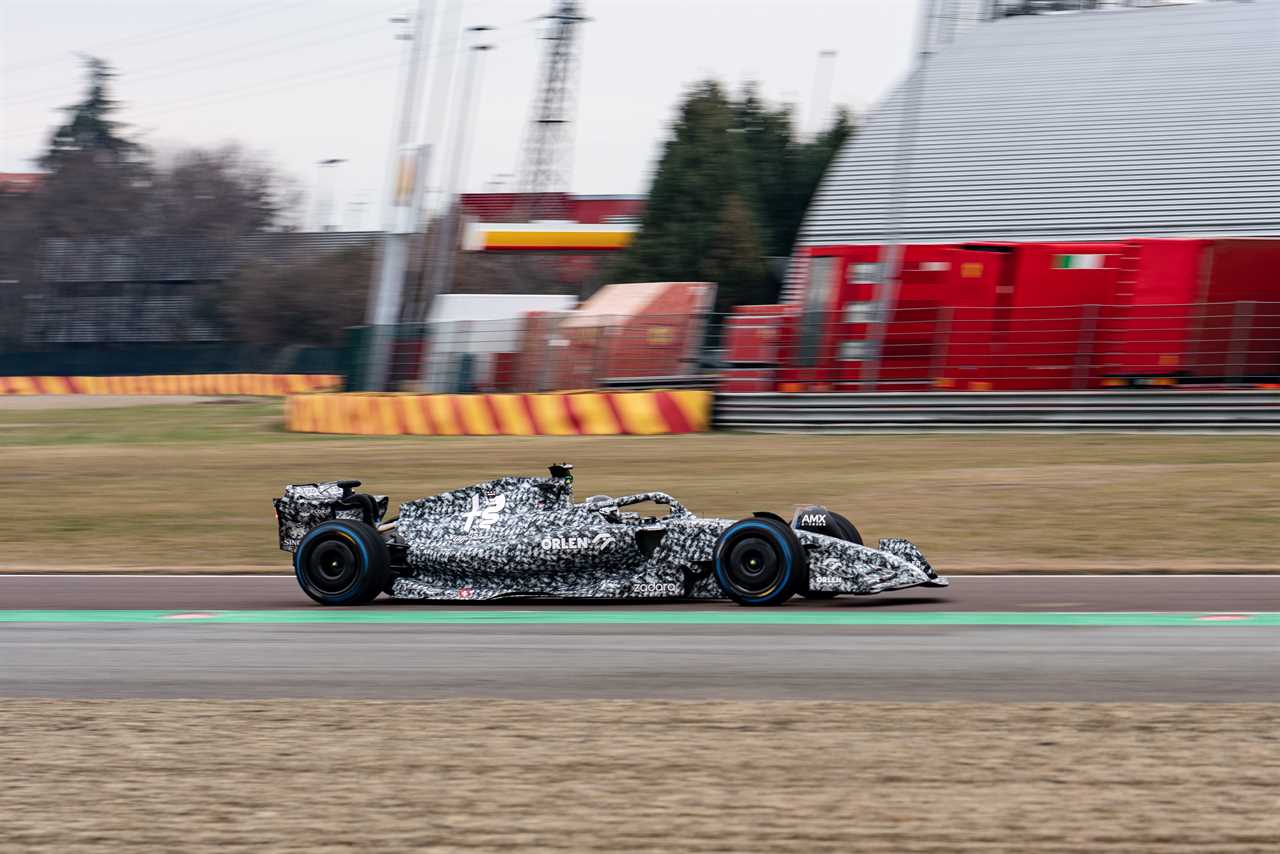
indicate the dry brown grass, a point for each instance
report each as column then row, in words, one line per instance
column 90, row 776
column 191, row 487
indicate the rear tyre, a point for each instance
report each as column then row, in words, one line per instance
column 759, row 561
column 820, row 520
column 342, row 562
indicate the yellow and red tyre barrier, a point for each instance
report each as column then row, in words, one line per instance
column 639, row 413
column 174, row 384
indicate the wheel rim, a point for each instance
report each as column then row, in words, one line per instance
column 752, row 566
column 331, row 567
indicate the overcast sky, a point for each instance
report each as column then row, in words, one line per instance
column 303, row 80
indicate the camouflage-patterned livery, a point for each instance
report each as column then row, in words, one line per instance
column 306, row 505
column 525, row 536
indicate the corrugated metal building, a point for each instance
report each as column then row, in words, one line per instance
column 1088, row 125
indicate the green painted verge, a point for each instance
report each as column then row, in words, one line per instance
column 466, row 615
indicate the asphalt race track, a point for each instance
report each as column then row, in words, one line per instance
column 968, row 593
column 1028, row 638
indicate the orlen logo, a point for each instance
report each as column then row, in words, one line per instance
column 816, row 519
column 556, row 544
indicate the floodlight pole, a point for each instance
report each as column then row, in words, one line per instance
column 890, row 267
column 821, row 97
column 444, row 254
column 403, row 199
column 444, row 257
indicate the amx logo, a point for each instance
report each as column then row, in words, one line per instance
column 487, row 516
column 817, row 519
column 598, row 543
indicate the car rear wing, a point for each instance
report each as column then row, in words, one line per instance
column 305, row 505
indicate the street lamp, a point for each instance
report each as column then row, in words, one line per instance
column 443, row 260
column 324, row 192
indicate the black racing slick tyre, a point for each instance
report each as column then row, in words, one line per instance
column 820, row 520
column 847, row 529
column 759, row 561
column 342, row 562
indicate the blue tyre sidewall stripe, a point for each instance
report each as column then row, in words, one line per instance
column 320, row 529
column 786, row 553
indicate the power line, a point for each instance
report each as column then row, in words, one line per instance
column 370, row 64
column 185, row 102
column 342, row 71
column 154, row 35
column 177, row 68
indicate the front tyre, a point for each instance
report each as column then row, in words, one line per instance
column 759, row 561
column 342, row 562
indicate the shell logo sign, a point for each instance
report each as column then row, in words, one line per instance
column 406, row 178
column 546, row 237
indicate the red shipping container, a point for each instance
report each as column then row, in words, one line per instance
column 835, row 334
column 978, row 291
column 1038, row 316
column 1202, row 309
column 642, row 331
column 752, row 339
column 541, row 345
column 504, row 372
column 1054, row 322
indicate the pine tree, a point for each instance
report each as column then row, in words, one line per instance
column 731, row 188
column 767, row 138
column 90, row 126
column 735, row 259
column 97, row 178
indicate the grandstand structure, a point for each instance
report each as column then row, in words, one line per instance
column 1060, row 120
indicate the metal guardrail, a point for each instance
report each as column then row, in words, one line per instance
column 674, row 381
column 1101, row 410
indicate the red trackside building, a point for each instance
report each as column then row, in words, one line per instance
column 1027, row 316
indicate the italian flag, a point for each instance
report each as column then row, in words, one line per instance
column 1078, row 262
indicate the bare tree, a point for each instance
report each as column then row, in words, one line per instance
column 219, row 194
column 299, row 304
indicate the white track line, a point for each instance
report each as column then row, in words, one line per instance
column 1142, row 575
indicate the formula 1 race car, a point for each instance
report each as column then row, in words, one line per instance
column 525, row 537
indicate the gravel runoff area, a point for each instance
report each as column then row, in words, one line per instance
column 91, row 776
